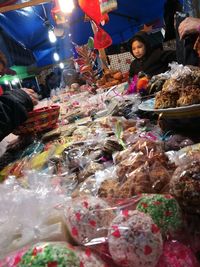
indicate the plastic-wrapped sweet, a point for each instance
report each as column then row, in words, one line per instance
column 135, row 240
column 44, row 254
column 164, row 210
column 176, row 254
column 88, row 218
column 53, row 255
column 185, row 186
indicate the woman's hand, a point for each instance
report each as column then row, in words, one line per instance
column 188, row 26
column 33, row 95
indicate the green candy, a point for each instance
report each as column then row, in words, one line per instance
column 164, row 210
column 49, row 255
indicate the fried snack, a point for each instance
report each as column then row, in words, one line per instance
column 166, row 99
column 189, row 96
column 118, row 76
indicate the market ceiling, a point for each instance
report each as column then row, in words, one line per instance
column 27, row 26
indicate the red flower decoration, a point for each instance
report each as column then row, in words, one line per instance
column 157, row 203
column 168, row 196
column 78, row 216
column 92, row 223
column 144, row 205
column 168, row 213
column 81, row 264
column 52, row 264
column 155, row 229
column 116, row 233
column 88, row 252
column 17, row 260
column 147, row 250
column 35, row 252
column 74, row 231
column 85, row 204
column 125, row 213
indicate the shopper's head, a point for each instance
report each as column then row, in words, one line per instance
column 139, row 45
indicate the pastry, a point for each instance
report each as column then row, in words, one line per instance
column 164, row 210
column 88, row 218
column 134, row 240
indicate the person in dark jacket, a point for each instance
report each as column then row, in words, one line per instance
column 14, row 107
column 148, row 60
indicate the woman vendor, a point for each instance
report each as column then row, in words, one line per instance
column 148, row 60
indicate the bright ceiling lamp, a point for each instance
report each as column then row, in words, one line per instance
column 66, row 6
column 52, row 37
column 56, row 56
column 61, row 65
column 6, row 82
column 16, row 80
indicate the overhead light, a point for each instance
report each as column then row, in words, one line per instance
column 66, row 6
column 52, row 37
column 13, row 82
column 6, row 82
column 56, row 56
column 61, row 65
column 16, row 80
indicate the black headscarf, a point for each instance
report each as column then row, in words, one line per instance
column 154, row 61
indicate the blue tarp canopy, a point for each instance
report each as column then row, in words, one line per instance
column 27, row 27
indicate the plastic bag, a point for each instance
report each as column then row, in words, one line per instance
column 31, row 214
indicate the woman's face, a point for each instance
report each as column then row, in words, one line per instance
column 138, row 49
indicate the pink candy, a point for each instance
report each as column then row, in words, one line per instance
column 176, row 254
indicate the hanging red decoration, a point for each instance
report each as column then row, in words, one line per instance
column 102, row 39
column 91, row 9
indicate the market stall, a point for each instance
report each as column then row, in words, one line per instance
column 98, row 176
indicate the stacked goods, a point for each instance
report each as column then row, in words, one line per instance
column 111, row 78
column 141, row 168
column 180, row 92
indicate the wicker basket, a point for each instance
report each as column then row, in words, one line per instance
column 39, row 120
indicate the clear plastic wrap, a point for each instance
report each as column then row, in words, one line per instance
column 30, row 215
column 116, row 229
column 185, row 184
column 141, row 168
